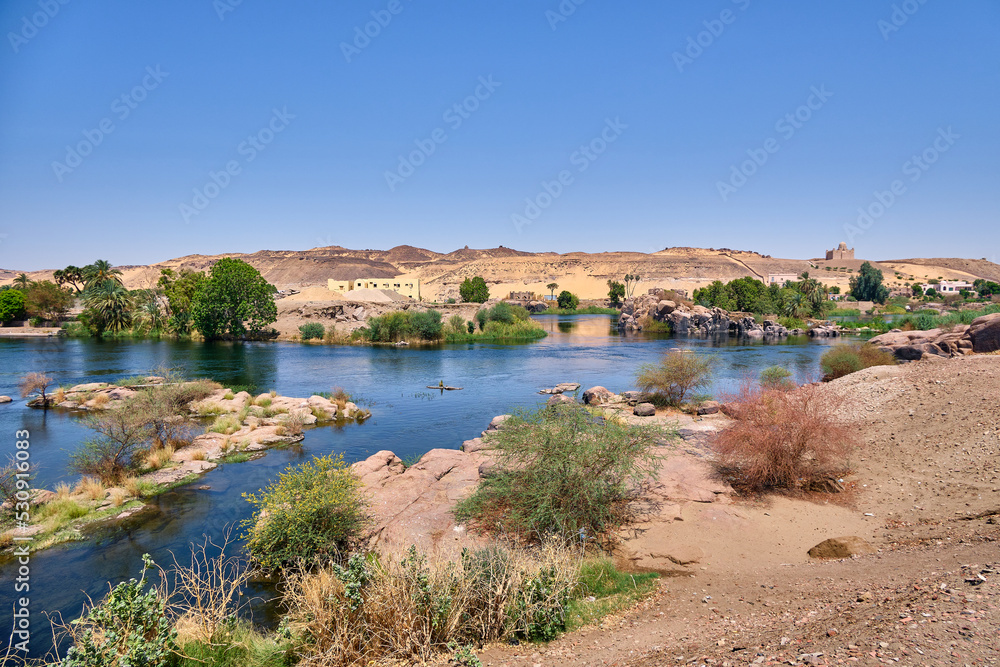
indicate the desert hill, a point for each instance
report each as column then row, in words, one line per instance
column 507, row 269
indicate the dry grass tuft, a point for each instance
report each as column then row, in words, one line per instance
column 406, row 609
column 118, row 497
column 63, row 491
column 90, row 488
column 159, row 457
column 100, row 400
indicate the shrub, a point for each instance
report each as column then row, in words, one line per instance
column 456, row 324
column 847, row 358
column 782, row 440
column 129, row 627
column 776, row 377
column 10, row 484
column 426, row 324
column 376, row 609
column 567, row 300
column 314, row 510
column 471, row 326
column 791, row 323
column 123, row 435
column 11, row 305
column 311, row 330
column 676, row 375
column 560, row 471
column 226, row 424
column 474, row 290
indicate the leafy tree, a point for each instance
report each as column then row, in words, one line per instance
column 71, row 275
column 747, row 291
column 179, row 289
column 918, row 289
column 22, row 281
column 867, row 285
column 717, row 294
column 474, row 290
column 568, row 300
column 616, row 292
column 552, row 287
column 47, row 300
column 100, row 272
column 11, row 305
column 986, row 287
column 796, row 305
column 234, row 301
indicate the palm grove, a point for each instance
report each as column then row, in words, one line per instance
column 231, row 301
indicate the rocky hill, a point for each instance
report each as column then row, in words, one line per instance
column 506, row 269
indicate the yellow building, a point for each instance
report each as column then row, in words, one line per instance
column 400, row 284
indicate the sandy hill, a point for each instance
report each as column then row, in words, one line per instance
column 507, row 269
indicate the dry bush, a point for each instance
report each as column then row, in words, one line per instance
column 406, row 609
column 118, row 497
column 123, row 437
column 847, row 358
column 90, row 488
column 293, row 423
column 782, row 440
column 340, row 396
column 133, row 486
column 101, row 400
column 34, row 383
column 208, row 594
column 677, row 375
column 63, row 491
column 156, row 458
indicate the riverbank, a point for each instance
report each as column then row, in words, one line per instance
column 242, row 428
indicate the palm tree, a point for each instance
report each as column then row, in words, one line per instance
column 552, row 287
column 150, row 310
column 22, row 282
column 795, row 306
column 111, row 302
column 99, row 272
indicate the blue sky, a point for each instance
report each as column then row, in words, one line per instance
column 239, row 126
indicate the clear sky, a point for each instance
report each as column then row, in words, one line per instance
column 140, row 131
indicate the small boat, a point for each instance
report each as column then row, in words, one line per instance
column 442, row 387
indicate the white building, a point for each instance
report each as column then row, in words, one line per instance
column 949, row 286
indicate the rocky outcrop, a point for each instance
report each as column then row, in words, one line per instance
column 693, row 321
column 984, row 334
column 824, row 332
column 561, row 387
column 597, row 395
column 5, row 399
column 915, row 345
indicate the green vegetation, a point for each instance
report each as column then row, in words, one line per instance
column 616, row 291
column 986, row 288
column 234, row 302
column 845, row 312
column 796, row 299
column 46, row 300
column 567, row 300
column 791, row 323
column 129, row 627
column 672, row 380
column 315, row 511
column 500, row 322
column 776, row 377
column 867, row 285
column 847, row 358
column 312, row 330
column 180, row 288
column 561, row 472
column 612, row 590
column 400, row 325
column 474, row 290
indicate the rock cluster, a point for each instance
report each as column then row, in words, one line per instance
column 982, row 336
column 693, row 321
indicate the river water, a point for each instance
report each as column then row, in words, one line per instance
column 407, row 418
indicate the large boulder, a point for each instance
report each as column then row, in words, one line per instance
column 5, row 399
column 596, row 395
column 985, row 333
column 841, row 547
column 709, row 408
column 644, row 410
column 559, row 399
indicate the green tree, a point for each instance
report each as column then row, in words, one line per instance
column 616, row 292
column 717, row 294
column 567, row 300
column 179, row 288
column 47, row 300
column 22, row 281
column 11, row 305
column 552, row 287
column 867, row 285
column 796, row 305
column 747, row 291
column 234, row 301
column 474, row 290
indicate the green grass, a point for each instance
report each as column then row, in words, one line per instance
column 131, row 381
column 586, row 310
column 240, row 646
column 612, row 589
column 500, row 331
column 845, row 312
column 238, row 457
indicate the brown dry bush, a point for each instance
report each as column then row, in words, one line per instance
column 406, row 609
column 782, row 440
